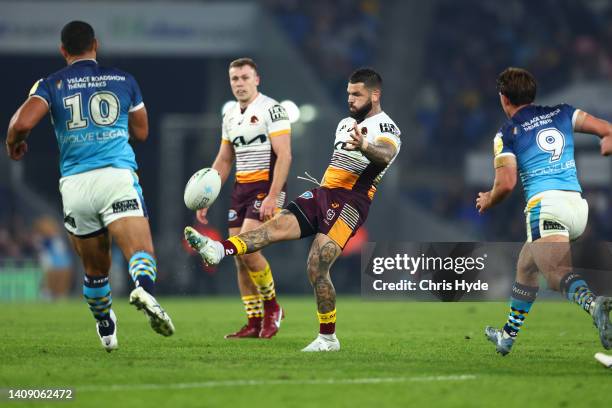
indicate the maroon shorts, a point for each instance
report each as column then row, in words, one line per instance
column 337, row 213
column 246, row 201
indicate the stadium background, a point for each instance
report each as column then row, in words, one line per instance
column 439, row 60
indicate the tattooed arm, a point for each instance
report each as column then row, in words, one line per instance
column 378, row 153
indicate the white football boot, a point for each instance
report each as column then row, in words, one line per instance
column 109, row 342
column 323, row 342
column 210, row 250
column 158, row 318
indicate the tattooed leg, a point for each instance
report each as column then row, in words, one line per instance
column 283, row 227
column 323, row 253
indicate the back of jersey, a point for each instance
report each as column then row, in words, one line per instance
column 542, row 139
column 89, row 108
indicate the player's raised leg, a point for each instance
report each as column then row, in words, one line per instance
column 283, row 227
column 524, row 292
column 552, row 255
column 133, row 236
column 95, row 254
column 323, row 253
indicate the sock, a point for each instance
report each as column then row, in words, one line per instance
column 520, row 303
column 265, row 286
column 576, row 290
column 97, row 293
column 254, row 309
column 234, row 246
column 143, row 270
column 327, row 322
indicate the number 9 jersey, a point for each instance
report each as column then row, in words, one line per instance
column 542, row 139
column 89, row 108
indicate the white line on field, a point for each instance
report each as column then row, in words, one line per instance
column 241, row 383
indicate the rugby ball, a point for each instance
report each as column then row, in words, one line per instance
column 202, row 189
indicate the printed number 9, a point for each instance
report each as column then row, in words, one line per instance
column 551, row 141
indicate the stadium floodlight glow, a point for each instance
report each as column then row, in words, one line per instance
column 292, row 110
column 308, row 113
column 226, row 106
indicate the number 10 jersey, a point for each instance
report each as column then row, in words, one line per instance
column 89, row 108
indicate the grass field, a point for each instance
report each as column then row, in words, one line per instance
column 393, row 354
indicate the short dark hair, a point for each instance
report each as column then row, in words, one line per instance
column 78, row 37
column 370, row 78
column 518, row 85
column 241, row 62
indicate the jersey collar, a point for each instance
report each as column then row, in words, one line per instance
column 84, row 60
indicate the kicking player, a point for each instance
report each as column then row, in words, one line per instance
column 95, row 112
column 365, row 145
column 256, row 132
column 539, row 141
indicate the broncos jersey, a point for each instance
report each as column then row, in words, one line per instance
column 89, row 108
column 250, row 131
column 351, row 170
column 542, row 139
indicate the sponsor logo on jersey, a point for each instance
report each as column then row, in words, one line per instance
column 307, row 195
column 364, row 130
column 68, row 220
column 232, row 215
column 261, row 196
column 240, row 141
column 254, row 120
column 389, row 128
column 553, row 226
column 125, row 205
column 335, row 205
column 277, row 112
column 330, row 214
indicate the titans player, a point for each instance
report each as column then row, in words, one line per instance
column 96, row 111
column 538, row 141
column 365, row 145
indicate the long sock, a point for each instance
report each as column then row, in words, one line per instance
column 254, row 309
column 97, row 293
column 577, row 290
column 265, row 286
column 327, row 322
column 521, row 301
column 143, row 270
column 234, row 246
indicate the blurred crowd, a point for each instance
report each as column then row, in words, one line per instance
column 559, row 41
column 336, row 36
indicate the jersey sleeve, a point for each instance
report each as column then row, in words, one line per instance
column 277, row 121
column 224, row 136
column 388, row 133
column 136, row 103
column 41, row 90
column 570, row 112
column 503, row 146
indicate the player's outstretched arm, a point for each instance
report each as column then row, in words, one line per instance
column 505, row 181
column 23, row 121
column 138, row 125
column 586, row 123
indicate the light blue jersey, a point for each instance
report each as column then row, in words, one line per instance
column 89, row 108
column 542, row 139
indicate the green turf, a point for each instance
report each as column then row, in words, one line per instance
column 416, row 345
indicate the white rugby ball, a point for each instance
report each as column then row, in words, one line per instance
column 202, row 189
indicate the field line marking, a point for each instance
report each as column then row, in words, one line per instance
column 239, row 383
